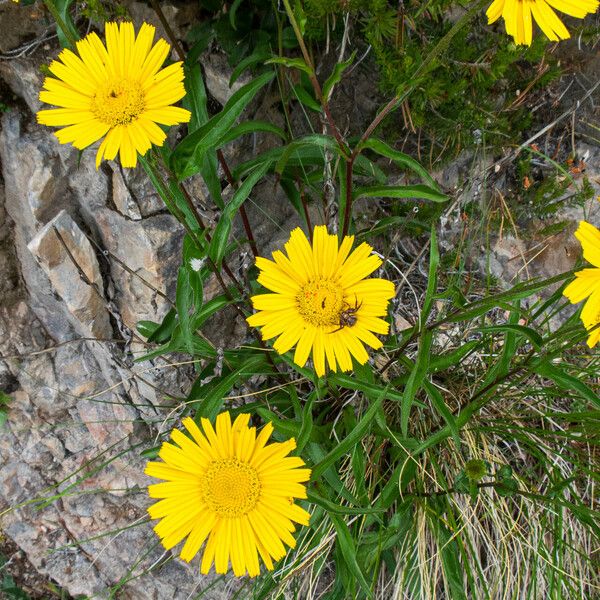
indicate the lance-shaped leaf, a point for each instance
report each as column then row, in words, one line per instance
column 401, row 159
column 186, row 159
column 417, row 192
column 218, row 243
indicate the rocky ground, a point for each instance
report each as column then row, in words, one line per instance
column 84, row 255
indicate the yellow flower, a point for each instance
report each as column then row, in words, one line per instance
column 587, row 281
column 520, row 14
column 118, row 91
column 322, row 301
column 230, row 486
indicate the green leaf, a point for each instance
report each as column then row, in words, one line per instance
column 314, row 140
column 218, row 243
column 184, row 302
column 450, row 554
column 306, row 425
column 533, row 336
column 336, row 76
column 290, row 63
column 65, row 28
column 370, row 390
column 438, row 403
column 306, row 98
column 196, row 101
column 257, row 57
column 208, row 399
column 338, row 509
column 348, row 550
column 349, row 441
column 401, row 159
column 519, row 291
column 452, row 358
column 208, row 309
column 187, row 156
column 419, row 191
column 565, row 381
column 434, row 261
column 195, row 98
column 416, row 379
column 163, row 332
column 5, row 401
column 251, row 127
column 232, row 13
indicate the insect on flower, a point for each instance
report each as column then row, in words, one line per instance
column 348, row 315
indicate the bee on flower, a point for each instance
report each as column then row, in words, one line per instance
column 323, row 301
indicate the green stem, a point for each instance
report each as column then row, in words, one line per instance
column 60, row 22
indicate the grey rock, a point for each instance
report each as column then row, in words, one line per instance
column 25, row 79
column 69, row 261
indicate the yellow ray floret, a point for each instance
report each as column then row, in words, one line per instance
column 116, row 91
column 322, row 302
column 227, row 489
column 519, row 16
column 587, row 281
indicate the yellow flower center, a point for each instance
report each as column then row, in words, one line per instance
column 119, row 102
column 231, row 488
column 320, row 303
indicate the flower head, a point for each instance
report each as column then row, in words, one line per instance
column 520, row 14
column 321, row 301
column 229, row 487
column 587, row 281
column 118, row 91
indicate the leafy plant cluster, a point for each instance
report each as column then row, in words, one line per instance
column 471, row 97
column 458, row 457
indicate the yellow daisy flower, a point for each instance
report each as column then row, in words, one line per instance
column 520, row 14
column 587, row 281
column 322, row 301
column 118, row 91
column 228, row 486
